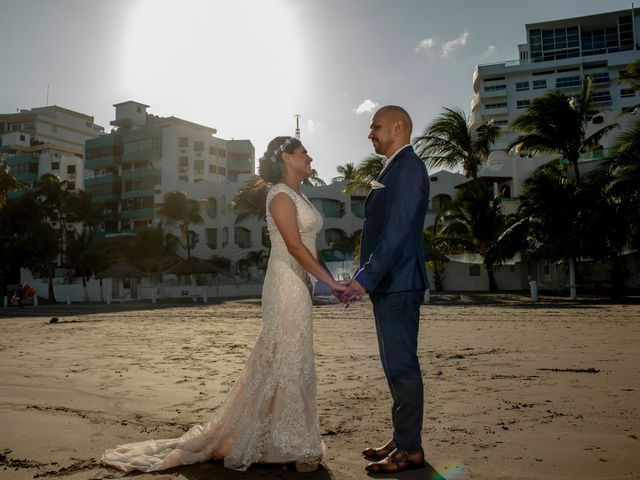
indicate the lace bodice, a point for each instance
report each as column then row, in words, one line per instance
column 309, row 219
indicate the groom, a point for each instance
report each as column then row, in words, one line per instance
column 392, row 271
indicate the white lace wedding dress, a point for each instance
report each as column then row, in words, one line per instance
column 270, row 415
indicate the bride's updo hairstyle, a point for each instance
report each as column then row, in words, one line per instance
column 270, row 165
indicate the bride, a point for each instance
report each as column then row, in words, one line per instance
column 270, row 415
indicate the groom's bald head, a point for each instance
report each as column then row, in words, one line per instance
column 398, row 114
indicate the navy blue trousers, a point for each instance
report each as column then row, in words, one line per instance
column 397, row 317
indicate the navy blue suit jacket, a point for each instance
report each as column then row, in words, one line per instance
column 391, row 253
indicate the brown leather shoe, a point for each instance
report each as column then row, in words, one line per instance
column 398, row 461
column 380, row 452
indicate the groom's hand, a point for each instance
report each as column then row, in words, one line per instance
column 353, row 293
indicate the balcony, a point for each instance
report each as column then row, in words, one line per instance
column 141, row 173
column 102, row 162
column 91, row 182
column 143, row 192
column 139, row 213
column 22, row 159
column 149, row 154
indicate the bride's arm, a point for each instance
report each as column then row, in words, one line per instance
column 283, row 212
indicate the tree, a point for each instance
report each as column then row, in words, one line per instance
column 251, row 200
column 177, row 207
column 449, row 142
column 41, row 244
column 346, row 172
column 81, row 208
column 435, row 246
column 631, row 75
column 16, row 217
column 366, row 171
column 555, row 124
column 152, row 249
column 8, row 183
column 54, row 197
column 549, row 218
column 474, row 223
column 314, row 180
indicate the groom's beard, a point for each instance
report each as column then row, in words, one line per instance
column 381, row 148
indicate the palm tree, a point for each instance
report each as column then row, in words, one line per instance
column 251, row 200
column 177, row 207
column 631, row 75
column 152, row 249
column 550, row 217
column 474, row 223
column 366, row 171
column 54, row 197
column 449, row 142
column 346, row 172
column 41, row 243
column 83, row 209
column 434, row 244
column 555, row 124
column 8, row 183
column 314, row 180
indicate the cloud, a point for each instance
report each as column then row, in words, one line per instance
column 426, row 44
column 313, row 125
column 488, row 53
column 366, row 107
column 452, row 45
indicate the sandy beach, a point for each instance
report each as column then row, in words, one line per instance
column 513, row 390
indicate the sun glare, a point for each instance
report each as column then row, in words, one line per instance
column 238, row 56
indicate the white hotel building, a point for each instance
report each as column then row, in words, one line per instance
column 558, row 55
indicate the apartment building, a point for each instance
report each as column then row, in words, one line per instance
column 557, row 55
column 46, row 140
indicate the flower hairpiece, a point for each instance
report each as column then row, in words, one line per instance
column 281, row 149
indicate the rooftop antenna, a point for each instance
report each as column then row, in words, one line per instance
column 297, row 134
column 47, row 95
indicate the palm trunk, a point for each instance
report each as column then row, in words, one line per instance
column 573, row 294
column 51, row 293
column 493, row 285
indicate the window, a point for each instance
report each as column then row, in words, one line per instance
column 199, row 165
column 22, row 138
column 198, row 146
column 242, row 237
column 54, row 129
column 71, row 169
column 139, row 109
column 332, row 208
column 495, row 88
column 55, row 165
column 501, row 123
column 213, row 150
column 474, row 270
column 333, row 235
column 539, row 84
column 212, row 238
column 600, row 77
column 522, row 103
column 71, row 186
column 572, row 81
column 627, row 92
column 222, row 153
column 212, row 207
column 357, row 206
column 183, row 142
column 601, row 97
column 522, row 86
column 491, row 106
column 183, row 178
column 213, row 169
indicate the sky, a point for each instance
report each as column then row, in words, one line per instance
column 248, row 67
